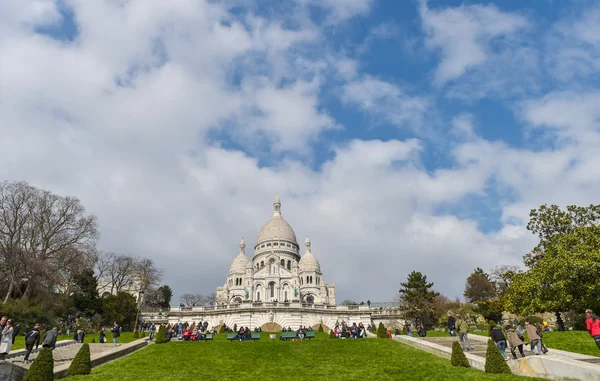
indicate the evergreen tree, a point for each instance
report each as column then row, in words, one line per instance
column 381, row 331
column 86, row 297
column 417, row 300
column 136, row 335
column 81, row 364
column 479, row 287
column 161, row 335
column 458, row 356
column 122, row 308
column 167, row 295
column 494, row 362
column 42, row 368
column 321, row 328
column 332, row 335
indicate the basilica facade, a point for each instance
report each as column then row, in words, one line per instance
column 277, row 271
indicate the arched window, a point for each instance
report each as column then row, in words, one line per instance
column 285, row 296
column 283, row 263
column 289, row 266
column 262, row 263
column 307, row 279
column 311, row 279
column 301, row 281
column 258, row 296
column 310, row 299
column 272, row 289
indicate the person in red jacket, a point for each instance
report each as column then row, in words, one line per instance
column 592, row 323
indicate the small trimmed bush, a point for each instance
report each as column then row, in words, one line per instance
column 494, row 362
column 136, row 335
column 94, row 341
column 404, row 331
column 458, row 356
column 331, row 334
column 161, row 335
column 42, row 368
column 321, row 328
column 81, row 364
column 222, row 328
column 381, row 332
column 142, row 334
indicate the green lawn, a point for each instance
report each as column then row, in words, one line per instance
column 571, row 341
column 126, row 337
column 319, row 359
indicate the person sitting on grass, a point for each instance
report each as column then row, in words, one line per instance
column 515, row 341
column 592, row 323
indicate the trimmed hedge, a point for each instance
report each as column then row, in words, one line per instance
column 494, row 362
column 458, row 356
column 42, row 368
column 381, row 332
column 331, row 334
column 321, row 328
column 136, row 335
column 161, row 335
column 81, row 364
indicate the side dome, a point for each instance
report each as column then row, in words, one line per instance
column 238, row 266
column 308, row 262
column 276, row 227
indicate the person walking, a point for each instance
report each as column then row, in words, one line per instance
column 592, row 323
column 32, row 338
column 7, row 339
column 498, row 337
column 534, row 338
column 451, row 324
column 515, row 341
column 462, row 328
column 50, row 338
column 102, row 335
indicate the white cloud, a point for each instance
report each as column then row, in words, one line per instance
column 340, row 10
column 385, row 101
column 464, row 35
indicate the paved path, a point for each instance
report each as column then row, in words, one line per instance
column 65, row 354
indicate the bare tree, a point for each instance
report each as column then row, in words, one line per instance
column 191, row 299
column 209, row 300
column 43, row 237
column 501, row 276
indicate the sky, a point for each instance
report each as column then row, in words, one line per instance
column 400, row 135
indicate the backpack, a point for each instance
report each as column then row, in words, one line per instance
column 31, row 337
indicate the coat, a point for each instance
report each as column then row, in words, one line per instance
column 462, row 326
column 532, row 332
column 6, row 340
column 50, row 338
column 513, row 338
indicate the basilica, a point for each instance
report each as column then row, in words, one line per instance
column 277, row 272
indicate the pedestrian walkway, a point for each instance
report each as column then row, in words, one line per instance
column 65, row 354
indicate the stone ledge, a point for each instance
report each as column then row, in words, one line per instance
column 60, row 371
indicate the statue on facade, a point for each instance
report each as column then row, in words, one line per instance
column 246, row 293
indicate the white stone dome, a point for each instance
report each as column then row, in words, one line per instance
column 308, row 262
column 276, row 228
column 238, row 266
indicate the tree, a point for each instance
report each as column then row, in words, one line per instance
column 494, row 363
column 161, row 335
column 81, row 363
column 417, row 300
column 44, row 240
column 458, row 357
column 501, row 277
column 167, row 294
column 348, row 302
column 562, row 267
column 490, row 309
column 191, row 299
column 42, row 368
column 86, row 296
column 479, row 287
column 121, row 308
column 381, row 331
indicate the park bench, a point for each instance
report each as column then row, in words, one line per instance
column 234, row 336
column 309, row 335
column 208, row 336
column 292, row 335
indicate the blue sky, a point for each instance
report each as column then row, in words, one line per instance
column 416, row 133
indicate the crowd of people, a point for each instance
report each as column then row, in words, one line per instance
column 355, row 331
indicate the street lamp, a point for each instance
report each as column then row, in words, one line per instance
column 139, row 304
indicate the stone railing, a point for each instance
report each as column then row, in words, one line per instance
column 274, row 305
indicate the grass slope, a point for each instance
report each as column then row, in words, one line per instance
column 318, row 359
column 126, row 337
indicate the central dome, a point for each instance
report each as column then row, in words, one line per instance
column 276, row 228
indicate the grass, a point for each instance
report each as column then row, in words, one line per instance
column 126, row 337
column 318, row 359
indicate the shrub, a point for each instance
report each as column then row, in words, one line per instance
column 535, row 320
column 381, row 332
column 221, row 328
column 42, row 368
column 494, row 362
column 94, row 340
column 136, row 335
column 142, row 334
column 81, row 364
column 161, row 335
column 321, row 328
column 458, row 356
column 331, row 334
column 404, row 331
column 491, row 325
